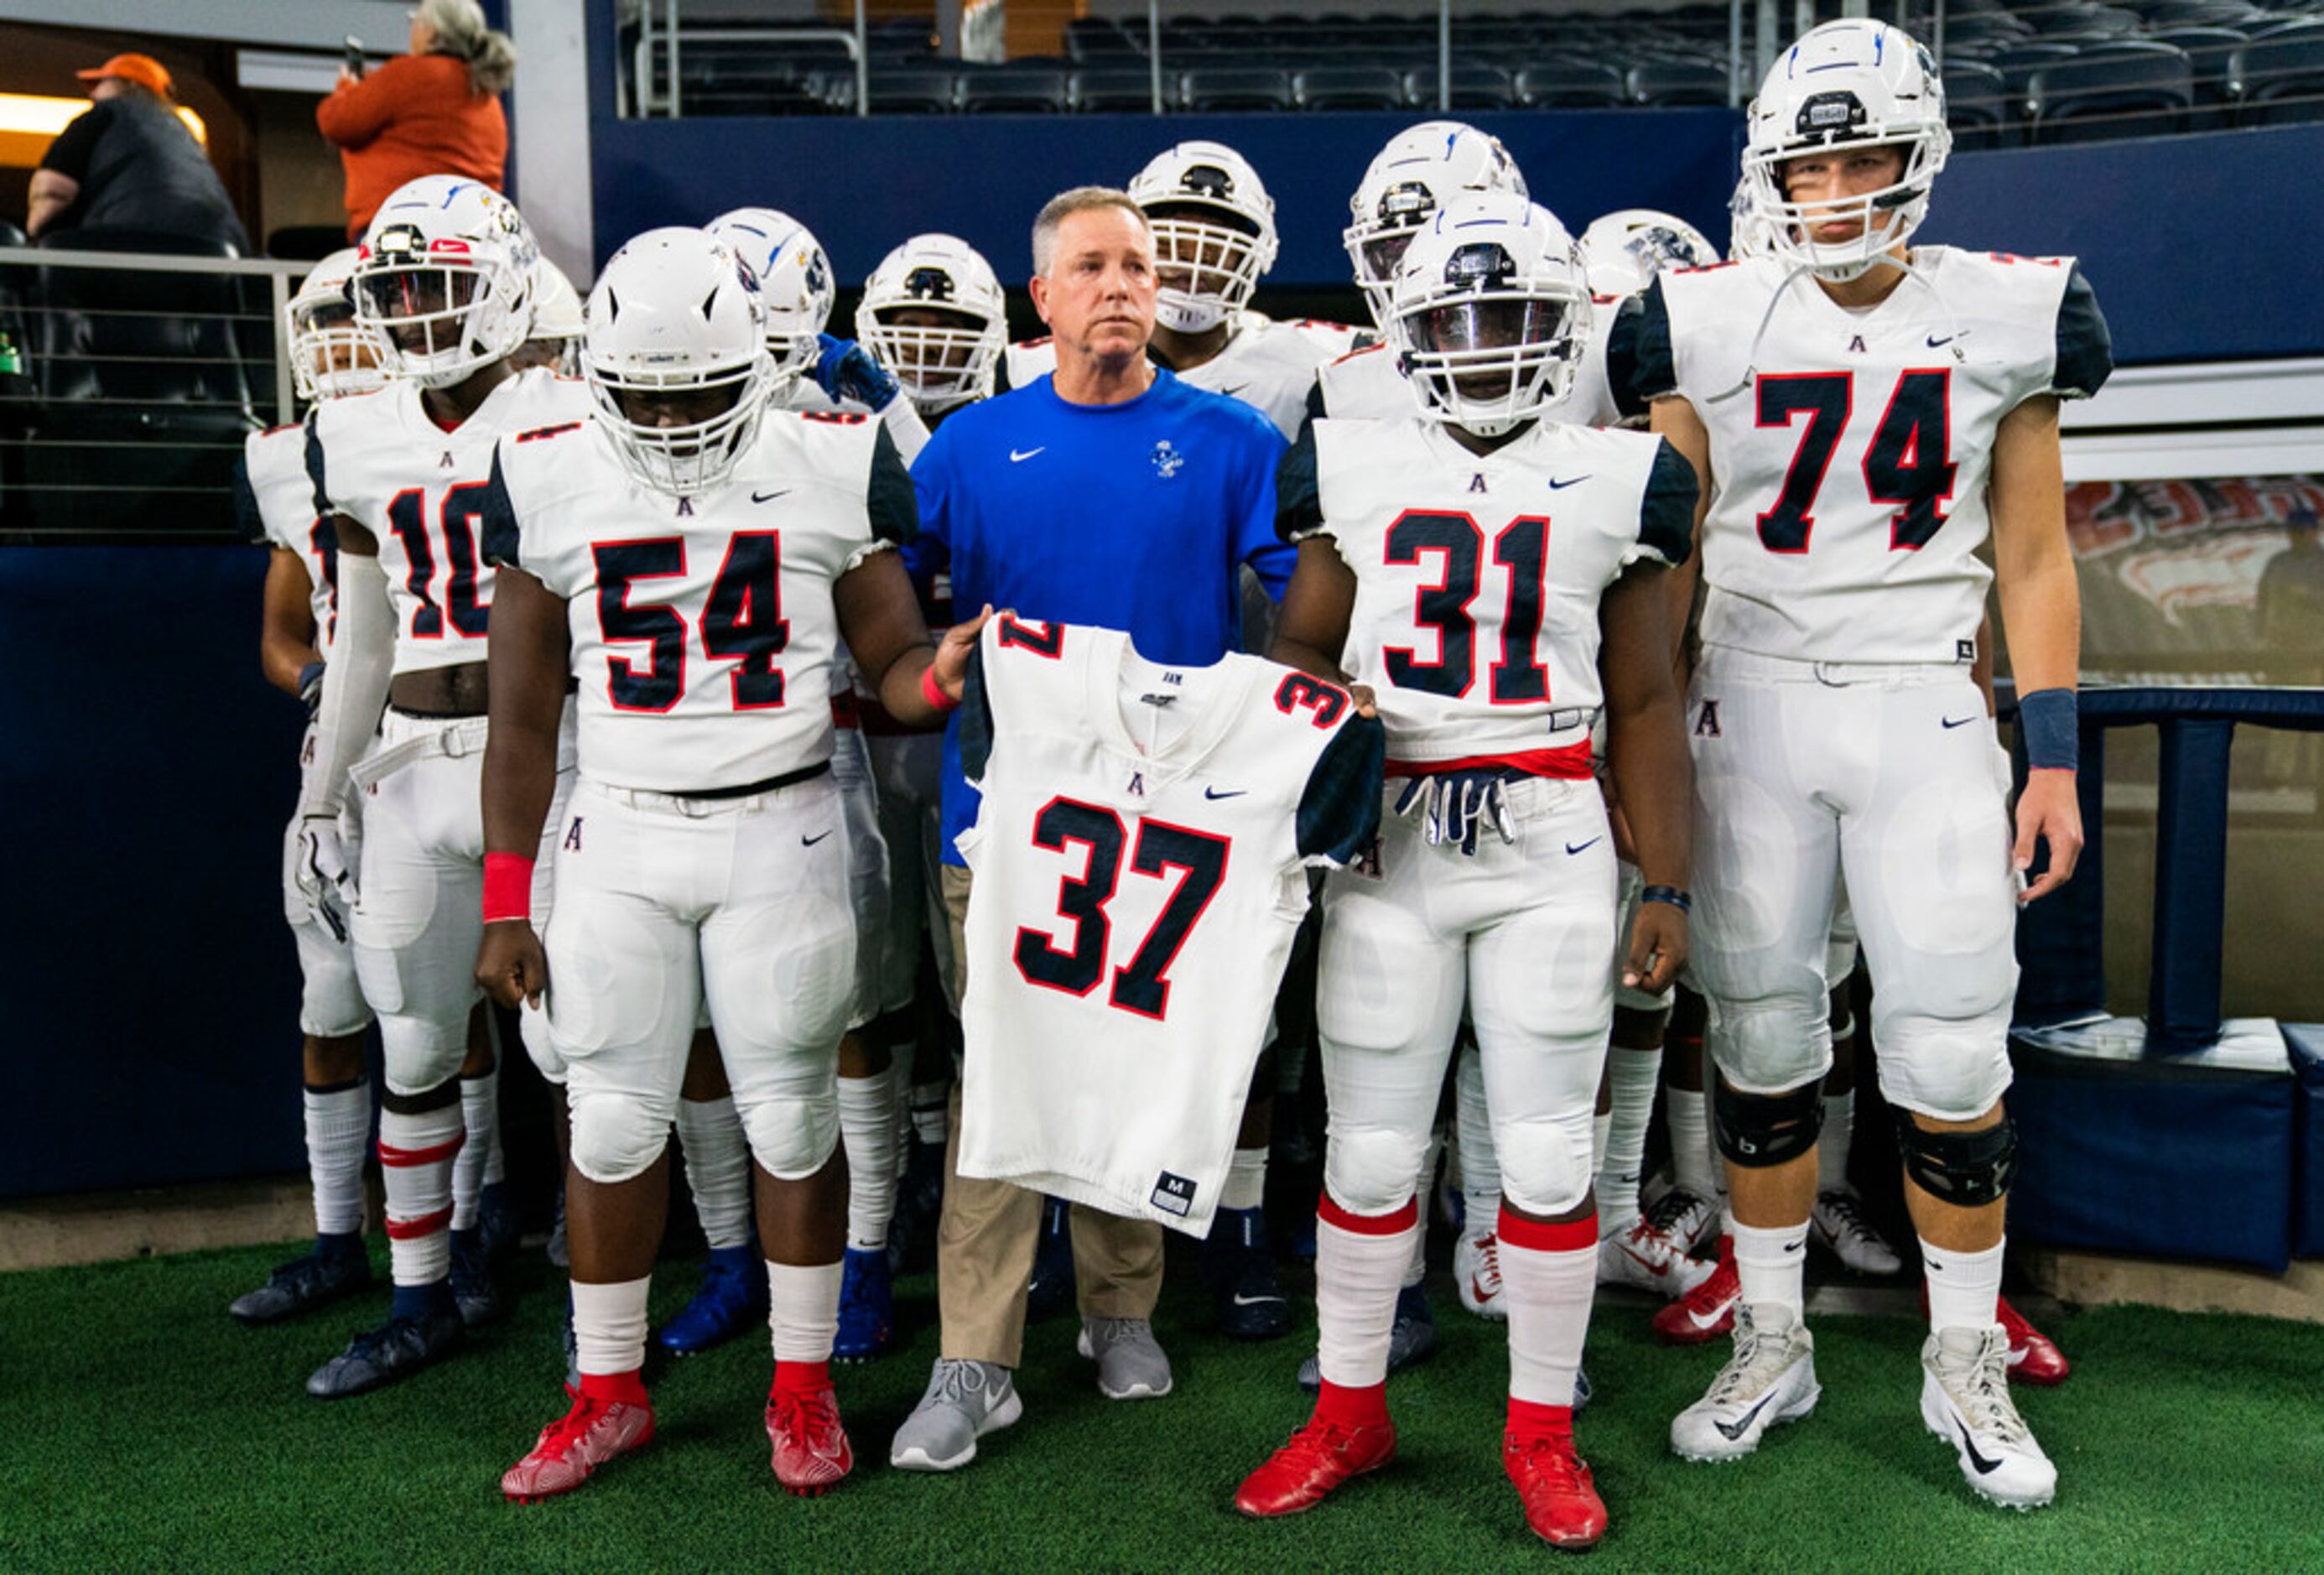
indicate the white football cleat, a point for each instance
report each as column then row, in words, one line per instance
column 1965, row 1400
column 1646, row 1258
column 1839, row 1225
column 1477, row 1269
column 1770, row 1379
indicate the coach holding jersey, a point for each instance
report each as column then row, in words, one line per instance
column 1110, row 493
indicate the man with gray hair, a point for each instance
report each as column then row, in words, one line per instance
column 1112, row 494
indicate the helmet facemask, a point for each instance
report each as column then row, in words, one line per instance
column 1487, row 350
column 1208, row 260
column 1835, row 125
column 682, row 430
column 332, row 354
column 943, row 357
column 1377, row 244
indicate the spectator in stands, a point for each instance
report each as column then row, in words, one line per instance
column 432, row 112
column 130, row 162
column 2292, row 637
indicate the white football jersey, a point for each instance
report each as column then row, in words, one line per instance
column 905, row 428
column 703, row 632
column 275, row 500
column 382, row 461
column 1850, row 451
column 1367, row 384
column 1140, row 856
column 1267, row 365
column 1478, row 577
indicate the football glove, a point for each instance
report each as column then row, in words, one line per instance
column 1454, row 807
column 846, row 371
column 323, row 876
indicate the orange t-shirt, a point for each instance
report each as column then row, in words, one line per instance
column 412, row 116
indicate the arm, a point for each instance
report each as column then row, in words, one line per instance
column 360, row 107
column 52, row 194
column 2042, row 614
column 64, row 165
column 1312, row 629
column 1654, row 777
column 880, row 618
column 1675, row 419
column 529, row 653
column 286, row 638
column 363, row 660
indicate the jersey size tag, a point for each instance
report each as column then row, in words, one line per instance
column 1366, row 865
column 1964, row 650
column 1173, row 1195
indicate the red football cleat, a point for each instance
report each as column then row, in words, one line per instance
column 1320, row 1456
column 1561, row 1503
column 2034, row 1356
column 1708, row 1310
column 812, row 1456
column 594, row 1431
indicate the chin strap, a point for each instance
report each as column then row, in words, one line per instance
column 1807, row 269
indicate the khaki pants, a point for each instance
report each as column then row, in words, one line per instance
column 990, row 1228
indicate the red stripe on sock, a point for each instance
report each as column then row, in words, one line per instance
column 1530, row 1419
column 1536, row 1236
column 1388, row 1224
column 1359, row 1407
column 795, row 1377
column 425, row 1225
column 403, row 1158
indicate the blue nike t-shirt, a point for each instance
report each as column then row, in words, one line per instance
column 1134, row 516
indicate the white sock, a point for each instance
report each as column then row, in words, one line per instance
column 1832, row 1144
column 1631, row 1075
column 609, row 1326
column 1601, row 1132
column 803, row 1311
column 867, row 1130
column 1246, row 1187
column 930, row 1117
column 1424, row 1188
column 338, row 1120
column 1693, row 1166
column 480, row 1116
column 1358, row 1272
column 1771, row 1265
column 1480, row 1163
column 415, row 1158
column 1964, row 1287
column 1547, row 1288
column 717, row 1169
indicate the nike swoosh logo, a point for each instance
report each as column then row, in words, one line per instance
column 1477, row 1291
column 1557, row 485
column 1242, row 1301
column 1952, row 723
column 1741, row 1424
column 1934, row 342
column 810, row 841
column 1984, row 1466
column 1016, row 458
column 1230, row 793
column 1658, row 1270
column 1704, row 1321
column 1795, row 1245
column 770, row 497
column 1234, row 392
column 1577, row 847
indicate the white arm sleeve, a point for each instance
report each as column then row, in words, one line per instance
column 354, row 686
column 904, row 425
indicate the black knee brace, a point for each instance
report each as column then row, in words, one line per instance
column 1966, row 1169
column 1758, row 1131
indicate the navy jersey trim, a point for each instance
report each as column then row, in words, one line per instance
column 1339, row 811
column 2085, row 356
column 1298, row 495
column 975, row 719
column 1316, row 407
column 1622, row 357
column 894, row 504
column 247, row 520
column 1666, row 517
column 501, row 541
column 323, row 504
column 1647, row 345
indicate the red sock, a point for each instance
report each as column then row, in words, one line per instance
column 628, row 1389
column 1529, row 1419
column 1344, row 1407
column 800, row 1377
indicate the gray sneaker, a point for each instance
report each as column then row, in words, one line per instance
column 964, row 1401
column 1131, row 1365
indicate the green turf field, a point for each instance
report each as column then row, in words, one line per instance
column 145, row 1431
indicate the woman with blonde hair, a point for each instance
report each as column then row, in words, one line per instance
column 432, row 112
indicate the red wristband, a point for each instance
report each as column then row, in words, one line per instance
column 930, row 690
column 508, row 887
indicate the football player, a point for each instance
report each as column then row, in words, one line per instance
column 1490, row 574
column 445, row 278
column 332, row 355
column 554, row 338
column 701, row 857
column 1862, row 413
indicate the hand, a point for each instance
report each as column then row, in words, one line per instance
column 346, row 79
column 953, row 651
column 1366, row 698
column 846, row 371
column 510, row 966
column 2048, row 810
column 1657, row 947
column 323, row 876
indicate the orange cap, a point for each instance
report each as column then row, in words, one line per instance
column 142, row 70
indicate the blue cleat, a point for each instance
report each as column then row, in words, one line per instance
column 302, row 1284
column 400, row 1346
column 866, row 1299
column 1411, row 1340
column 1051, row 1291
column 497, row 1225
column 732, row 1298
column 474, row 1290
column 919, row 1205
column 1238, row 1267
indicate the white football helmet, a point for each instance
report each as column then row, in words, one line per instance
column 1214, row 227
column 794, row 279
column 674, row 353
column 1624, row 249
column 1490, row 312
column 1848, row 84
column 1419, row 171
column 445, row 275
column 1747, row 234
column 557, row 315
column 939, row 366
column 331, row 353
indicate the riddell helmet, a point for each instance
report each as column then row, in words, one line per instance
column 1419, row 171
column 1849, row 84
column 1490, row 312
column 677, row 313
column 939, row 367
column 794, row 279
column 445, row 276
column 1624, row 250
column 1213, row 221
column 331, row 353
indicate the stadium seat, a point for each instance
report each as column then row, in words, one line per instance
column 2279, row 80
column 2117, row 94
column 912, row 91
column 1978, row 106
column 1475, row 86
column 2019, row 61
column 1666, row 84
column 1119, row 90
column 2208, row 50
column 1348, row 88
column 1215, row 90
column 1028, row 86
column 1567, row 85
column 1099, row 40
